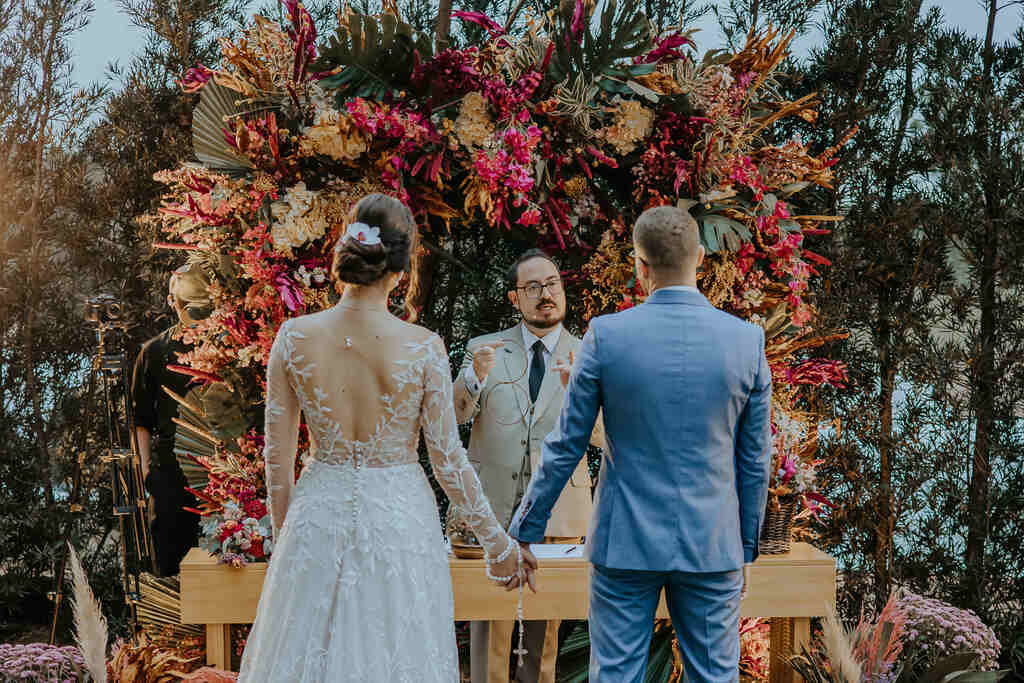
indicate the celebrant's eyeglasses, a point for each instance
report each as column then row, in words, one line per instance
column 535, row 289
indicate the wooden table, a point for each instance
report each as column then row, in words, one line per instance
column 789, row 589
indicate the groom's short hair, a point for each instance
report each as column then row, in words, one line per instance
column 667, row 236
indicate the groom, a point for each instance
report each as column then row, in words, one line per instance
column 686, row 394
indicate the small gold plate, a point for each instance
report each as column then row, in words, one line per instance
column 468, row 552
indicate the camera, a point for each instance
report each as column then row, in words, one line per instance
column 103, row 309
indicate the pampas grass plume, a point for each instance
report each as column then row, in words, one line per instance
column 90, row 625
column 838, row 647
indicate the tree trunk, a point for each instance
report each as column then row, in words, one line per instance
column 884, row 527
column 444, row 23
column 55, row 15
column 888, row 315
column 984, row 377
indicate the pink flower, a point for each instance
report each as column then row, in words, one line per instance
column 289, row 291
column 665, row 50
column 481, row 19
column 195, row 78
column 529, row 217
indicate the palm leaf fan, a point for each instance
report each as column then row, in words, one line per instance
column 606, row 56
column 159, row 609
column 215, row 111
column 193, row 438
column 209, row 417
column 371, row 56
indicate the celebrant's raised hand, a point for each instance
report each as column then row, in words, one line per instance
column 564, row 369
column 484, row 359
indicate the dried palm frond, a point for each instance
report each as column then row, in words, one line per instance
column 527, row 53
column 90, row 624
column 141, row 660
column 159, row 610
column 763, row 52
column 215, row 112
column 576, row 101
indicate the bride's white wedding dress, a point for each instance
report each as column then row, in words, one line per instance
column 358, row 587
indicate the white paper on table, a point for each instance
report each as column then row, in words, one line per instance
column 554, row 551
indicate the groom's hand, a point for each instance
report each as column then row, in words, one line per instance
column 528, row 569
column 746, row 572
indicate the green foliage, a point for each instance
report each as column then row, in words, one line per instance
column 603, row 58
column 574, row 656
column 373, row 55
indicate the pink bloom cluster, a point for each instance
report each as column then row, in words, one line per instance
column 508, row 174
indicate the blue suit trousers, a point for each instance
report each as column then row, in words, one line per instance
column 705, row 611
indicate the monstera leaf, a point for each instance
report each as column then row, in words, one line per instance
column 718, row 233
column 371, row 56
column 605, row 56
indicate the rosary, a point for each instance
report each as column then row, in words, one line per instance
column 520, row 651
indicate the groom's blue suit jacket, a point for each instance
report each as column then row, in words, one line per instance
column 686, row 395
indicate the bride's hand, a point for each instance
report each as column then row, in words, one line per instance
column 510, row 567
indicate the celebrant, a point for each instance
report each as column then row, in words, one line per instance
column 510, row 387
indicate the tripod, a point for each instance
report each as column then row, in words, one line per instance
column 110, row 365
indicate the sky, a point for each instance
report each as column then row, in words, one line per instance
column 111, row 37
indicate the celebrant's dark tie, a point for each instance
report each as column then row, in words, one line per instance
column 536, row 370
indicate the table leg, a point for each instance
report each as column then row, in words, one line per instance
column 780, row 644
column 218, row 646
column 801, row 637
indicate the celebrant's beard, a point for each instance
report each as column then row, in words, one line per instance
column 543, row 323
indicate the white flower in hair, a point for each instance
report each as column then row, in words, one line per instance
column 363, row 233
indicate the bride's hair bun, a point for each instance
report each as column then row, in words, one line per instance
column 363, row 264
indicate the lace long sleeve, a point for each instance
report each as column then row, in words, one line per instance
column 282, row 430
column 448, row 456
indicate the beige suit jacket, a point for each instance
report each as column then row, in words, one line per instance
column 507, row 429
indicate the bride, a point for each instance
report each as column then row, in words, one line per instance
column 359, row 588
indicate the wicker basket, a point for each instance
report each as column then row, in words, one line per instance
column 777, row 529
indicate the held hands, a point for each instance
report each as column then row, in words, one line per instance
column 564, row 369
column 484, row 359
column 518, row 574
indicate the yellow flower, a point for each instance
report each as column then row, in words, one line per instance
column 633, row 122
column 333, row 135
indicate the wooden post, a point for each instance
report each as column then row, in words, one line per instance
column 218, row 646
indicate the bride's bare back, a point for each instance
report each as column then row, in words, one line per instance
column 359, row 355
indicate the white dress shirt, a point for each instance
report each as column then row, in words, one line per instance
column 475, row 385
